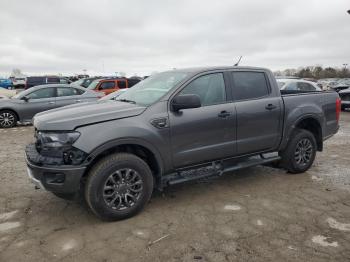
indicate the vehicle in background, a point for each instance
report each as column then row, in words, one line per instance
column 65, row 80
column 289, row 84
column 328, row 83
column 43, row 80
column 83, row 76
column 7, row 93
column 6, row 83
column 341, row 85
column 23, row 106
column 174, row 127
column 18, row 82
column 345, row 98
column 310, row 79
column 85, row 82
column 287, row 77
column 108, row 85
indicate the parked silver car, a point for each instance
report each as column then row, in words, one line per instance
column 23, row 106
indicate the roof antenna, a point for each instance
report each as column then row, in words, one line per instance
column 239, row 60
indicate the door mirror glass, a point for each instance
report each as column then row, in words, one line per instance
column 185, row 102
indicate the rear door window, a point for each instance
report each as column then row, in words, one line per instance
column 249, row 85
column 66, row 91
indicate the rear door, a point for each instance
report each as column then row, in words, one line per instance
column 206, row 133
column 68, row 95
column 258, row 112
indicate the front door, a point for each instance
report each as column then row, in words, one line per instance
column 258, row 112
column 206, row 133
column 38, row 101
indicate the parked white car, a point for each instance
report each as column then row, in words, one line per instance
column 297, row 85
column 18, row 82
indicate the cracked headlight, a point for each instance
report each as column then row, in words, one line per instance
column 56, row 140
column 58, row 145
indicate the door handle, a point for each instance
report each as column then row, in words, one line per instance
column 270, row 106
column 51, row 103
column 78, row 100
column 224, row 114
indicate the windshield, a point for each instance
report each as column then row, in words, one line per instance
column 93, row 84
column 153, row 88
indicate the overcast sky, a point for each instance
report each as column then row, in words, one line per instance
column 107, row 36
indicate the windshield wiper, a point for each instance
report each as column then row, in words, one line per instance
column 126, row 100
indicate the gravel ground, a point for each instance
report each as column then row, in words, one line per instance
column 256, row 214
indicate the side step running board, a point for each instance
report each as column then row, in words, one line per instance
column 217, row 169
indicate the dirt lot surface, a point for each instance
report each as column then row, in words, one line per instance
column 256, row 214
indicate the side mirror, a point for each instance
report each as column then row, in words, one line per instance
column 25, row 98
column 185, row 101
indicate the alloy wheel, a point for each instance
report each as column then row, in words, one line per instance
column 122, row 189
column 7, row 119
column 303, row 152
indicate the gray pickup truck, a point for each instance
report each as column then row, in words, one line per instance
column 173, row 127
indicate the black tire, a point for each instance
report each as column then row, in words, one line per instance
column 295, row 158
column 65, row 196
column 8, row 119
column 106, row 177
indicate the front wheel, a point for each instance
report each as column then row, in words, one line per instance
column 118, row 186
column 300, row 152
column 8, row 119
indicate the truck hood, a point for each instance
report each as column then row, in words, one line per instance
column 70, row 117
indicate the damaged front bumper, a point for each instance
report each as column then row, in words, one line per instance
column 47, row 173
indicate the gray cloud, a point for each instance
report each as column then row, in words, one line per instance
column 106, row 36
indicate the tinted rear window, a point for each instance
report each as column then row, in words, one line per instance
column 249, row 85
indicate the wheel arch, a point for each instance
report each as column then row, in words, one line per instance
column 313, row 125
column 137, row 147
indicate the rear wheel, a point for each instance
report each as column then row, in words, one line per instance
column 119, row 186
column 8, row 119
column 300, row 152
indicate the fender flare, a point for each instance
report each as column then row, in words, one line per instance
column 296, row 123
column 129, row 141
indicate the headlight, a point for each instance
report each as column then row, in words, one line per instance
column 56, row 140
column 58, row 145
